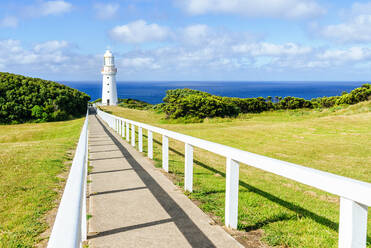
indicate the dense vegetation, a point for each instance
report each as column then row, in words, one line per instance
column 134, row 104
column 193, row 103
column 24, row 99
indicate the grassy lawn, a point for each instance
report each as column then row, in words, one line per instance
column 31, row 158
column 337, row 140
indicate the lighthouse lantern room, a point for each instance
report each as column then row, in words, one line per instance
column 109, row 90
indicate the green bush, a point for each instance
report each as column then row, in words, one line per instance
column 183, row 103
column 290, row 102
column 25, row 99
column 357, row 95
column 134, row 104
column 192, row 103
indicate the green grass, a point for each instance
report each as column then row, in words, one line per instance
column 32, row 156
column 337, row 140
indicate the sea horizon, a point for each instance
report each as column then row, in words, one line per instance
column 154, row 91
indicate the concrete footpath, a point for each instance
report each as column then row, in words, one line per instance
column 134, row 205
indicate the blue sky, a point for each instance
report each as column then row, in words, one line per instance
column 244, row 40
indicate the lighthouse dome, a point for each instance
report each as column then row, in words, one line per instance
column 108, row 54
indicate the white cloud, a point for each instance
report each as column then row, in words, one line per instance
column 355, row 30
column 196, row 34
column 8, row 47
column 346, row 55
column 199, row 48
column 106, row 10
column 361, row 8
column 41, row 8
column 46, row 8
column 46, row 57
column 212, row 52
column 139, row 63
column 54, row 8
column 270, row 49
column 262, row 8
column 139, row 32
column 9, row 22
column 51, row 46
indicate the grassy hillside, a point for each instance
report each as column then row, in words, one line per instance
column 25, row 99
column 31, row 158
column 337, row 140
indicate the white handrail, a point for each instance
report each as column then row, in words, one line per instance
column 355, row 195
column 69, row 229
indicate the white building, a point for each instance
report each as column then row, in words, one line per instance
column 109, row 89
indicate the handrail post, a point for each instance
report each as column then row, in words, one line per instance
column 188, row 168
column 132, row 135
column 127, row 131
column 352, row 224
column 165, row 153
column 140, row 139
column 120, row 127
column 150, row 144
column 231, row 193
column 123, row 129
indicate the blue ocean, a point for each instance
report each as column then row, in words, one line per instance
column 154, row 92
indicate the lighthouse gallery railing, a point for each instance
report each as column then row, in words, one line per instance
column 355, row 196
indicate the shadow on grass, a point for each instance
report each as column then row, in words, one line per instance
column 300, row 211
column 260, row 224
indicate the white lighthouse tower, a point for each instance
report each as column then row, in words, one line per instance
column 109, row 90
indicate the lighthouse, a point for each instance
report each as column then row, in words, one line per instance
column 109, row 90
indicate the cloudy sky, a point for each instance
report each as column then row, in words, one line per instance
column 188, row 39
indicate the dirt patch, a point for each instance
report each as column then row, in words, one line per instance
column 330, row 198
column 282, row 155
column 289, row 185
column 250, row 239
column 310, row 193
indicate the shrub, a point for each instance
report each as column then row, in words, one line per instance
column 37, row 111
column 182, row 103
column 197, row 104
column 134, row 104
column 290, row 102
column 25, row 99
